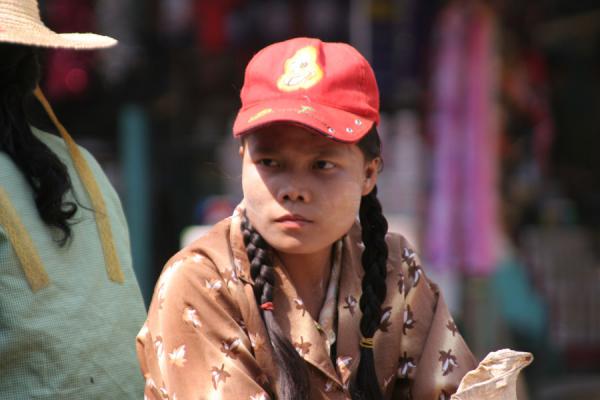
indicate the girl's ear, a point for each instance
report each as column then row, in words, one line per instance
column 371, row 173
column 241, row 151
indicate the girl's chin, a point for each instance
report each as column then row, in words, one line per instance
column 295, row 246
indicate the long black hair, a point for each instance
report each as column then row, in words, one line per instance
column 45, row 173
column 292, row 368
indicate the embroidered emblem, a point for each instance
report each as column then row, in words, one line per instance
column 350, row 304
column 407, row 364
column 300, row 306
column 401, row 284
column 177, row 356
column 219, row 375
column 415, row 274
column 452, row 327
column 302, row 347
column 230, row 347
column 448, row 361
column 385, row 323
column 414, row 268
column 190, row 315
column 213, row 284
column 409, row 322
column 301, row 71
column 260, row 114
column 344, row 363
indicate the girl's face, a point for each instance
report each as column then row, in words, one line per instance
column 302, row 191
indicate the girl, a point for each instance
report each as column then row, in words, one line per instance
column 293, row 297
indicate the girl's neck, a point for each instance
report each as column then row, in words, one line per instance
column 310, row 275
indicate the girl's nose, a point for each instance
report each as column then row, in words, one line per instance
column 293, row 191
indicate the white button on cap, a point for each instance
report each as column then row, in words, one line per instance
column 358, row 122
column 349, row 130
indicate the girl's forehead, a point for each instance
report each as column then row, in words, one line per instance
column 282, row 136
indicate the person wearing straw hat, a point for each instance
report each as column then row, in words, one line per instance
column 69, row 300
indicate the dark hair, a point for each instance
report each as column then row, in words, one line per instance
column 292, row 369
column 45, row 173
column 374, row 227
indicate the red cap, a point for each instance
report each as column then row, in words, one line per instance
column 329, row 87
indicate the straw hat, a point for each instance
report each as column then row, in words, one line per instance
column 20, row 23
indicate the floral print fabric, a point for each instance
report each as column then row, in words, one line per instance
column 205, row 339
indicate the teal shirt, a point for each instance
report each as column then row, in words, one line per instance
column 75, row 338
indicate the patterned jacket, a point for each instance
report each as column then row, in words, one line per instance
column 205, row 339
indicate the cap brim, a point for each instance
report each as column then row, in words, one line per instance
column 332, row 122
column 39, row 35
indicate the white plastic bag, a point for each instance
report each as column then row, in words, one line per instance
column 495, row 378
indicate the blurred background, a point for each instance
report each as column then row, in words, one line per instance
column 491, row 131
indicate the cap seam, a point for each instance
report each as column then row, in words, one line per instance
column 324, row 103
column 312, row 116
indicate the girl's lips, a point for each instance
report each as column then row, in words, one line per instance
column 292, row 218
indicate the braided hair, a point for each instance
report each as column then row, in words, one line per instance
column 293, row 373
column 292, row 368
column 374, row 259
column 42, row 169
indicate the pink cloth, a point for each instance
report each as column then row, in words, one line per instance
column 462, row 224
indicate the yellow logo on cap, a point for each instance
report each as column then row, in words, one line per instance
column 260, row 114
column 301, row 71
column 305, row 110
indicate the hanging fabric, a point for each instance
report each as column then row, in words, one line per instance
column 462, row 226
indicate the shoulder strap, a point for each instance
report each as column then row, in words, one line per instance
column 113, row 266
column 34, row 270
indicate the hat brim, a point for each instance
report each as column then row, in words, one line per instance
column 41, row 36
column 334, row 123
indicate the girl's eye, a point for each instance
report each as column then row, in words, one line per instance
column 268, row 162
column 323, row 165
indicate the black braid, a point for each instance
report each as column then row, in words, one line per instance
column 374, row 258
column 43, row 170
column 293, row 374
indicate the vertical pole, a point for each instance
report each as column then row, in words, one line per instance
column 134, row 138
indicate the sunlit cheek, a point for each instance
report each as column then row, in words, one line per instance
column 344, row 205
column 253, row 189
column 258, row 198
column 346, row 196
